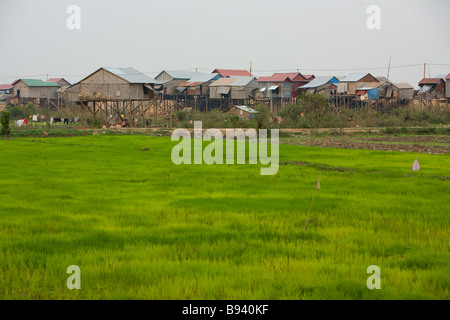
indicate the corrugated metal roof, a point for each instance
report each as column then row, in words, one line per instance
column 246, row 109
column 354, row 77
column 131, row 75
column 6, row 86
column 54, row 79
column 205, row 77
column 160, row 82
column 381, row 78
column 403, row 86
column 232, row 82
column 274, row 78
column 242, row 81
column 425, row 88
column 318, row 81
column 190, row 84
column 280, row 77
column 39, row 83
column 179, row 74
column 290, row 75
column 447, row 77
column 233, row 73
column 222, row 82
column 430, row 81
column 369, row 87
column 266, row 79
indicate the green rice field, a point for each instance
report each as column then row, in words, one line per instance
column 140, row 227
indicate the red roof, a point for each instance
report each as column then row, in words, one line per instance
column 282, row 77
column 447, row 77
column 309, row 76
column 430, row 81
column 231, row 73
column 274, row 78
column 6, row 86
column 291, row 76
column 54, row 79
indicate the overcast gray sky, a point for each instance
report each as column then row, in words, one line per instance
column 322, row 37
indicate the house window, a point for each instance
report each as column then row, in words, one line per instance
column 117, row 93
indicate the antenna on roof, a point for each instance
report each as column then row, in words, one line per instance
column 424, row 70
column 389, row 68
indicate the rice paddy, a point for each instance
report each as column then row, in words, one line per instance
column 140, row 227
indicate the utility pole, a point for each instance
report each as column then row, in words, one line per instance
column 424, row 70
column 389, row 68
column 250, row 67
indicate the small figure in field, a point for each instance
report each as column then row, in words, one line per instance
column 125, row 122
column 351, row 121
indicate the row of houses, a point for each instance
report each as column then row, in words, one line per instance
column 34, row 88
column 129, row 84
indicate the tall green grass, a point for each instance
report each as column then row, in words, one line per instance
column 141, row 227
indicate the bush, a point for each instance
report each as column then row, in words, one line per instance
column 263, row 119
column 96, row 123
column 21, row 112
column 316, row 110
column 5, row 119
column 291, row 115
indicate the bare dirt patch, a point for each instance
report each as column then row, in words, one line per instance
column 393, row 143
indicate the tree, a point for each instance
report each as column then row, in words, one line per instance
column 316, row 109
column 5, row 118
column 263, row 117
